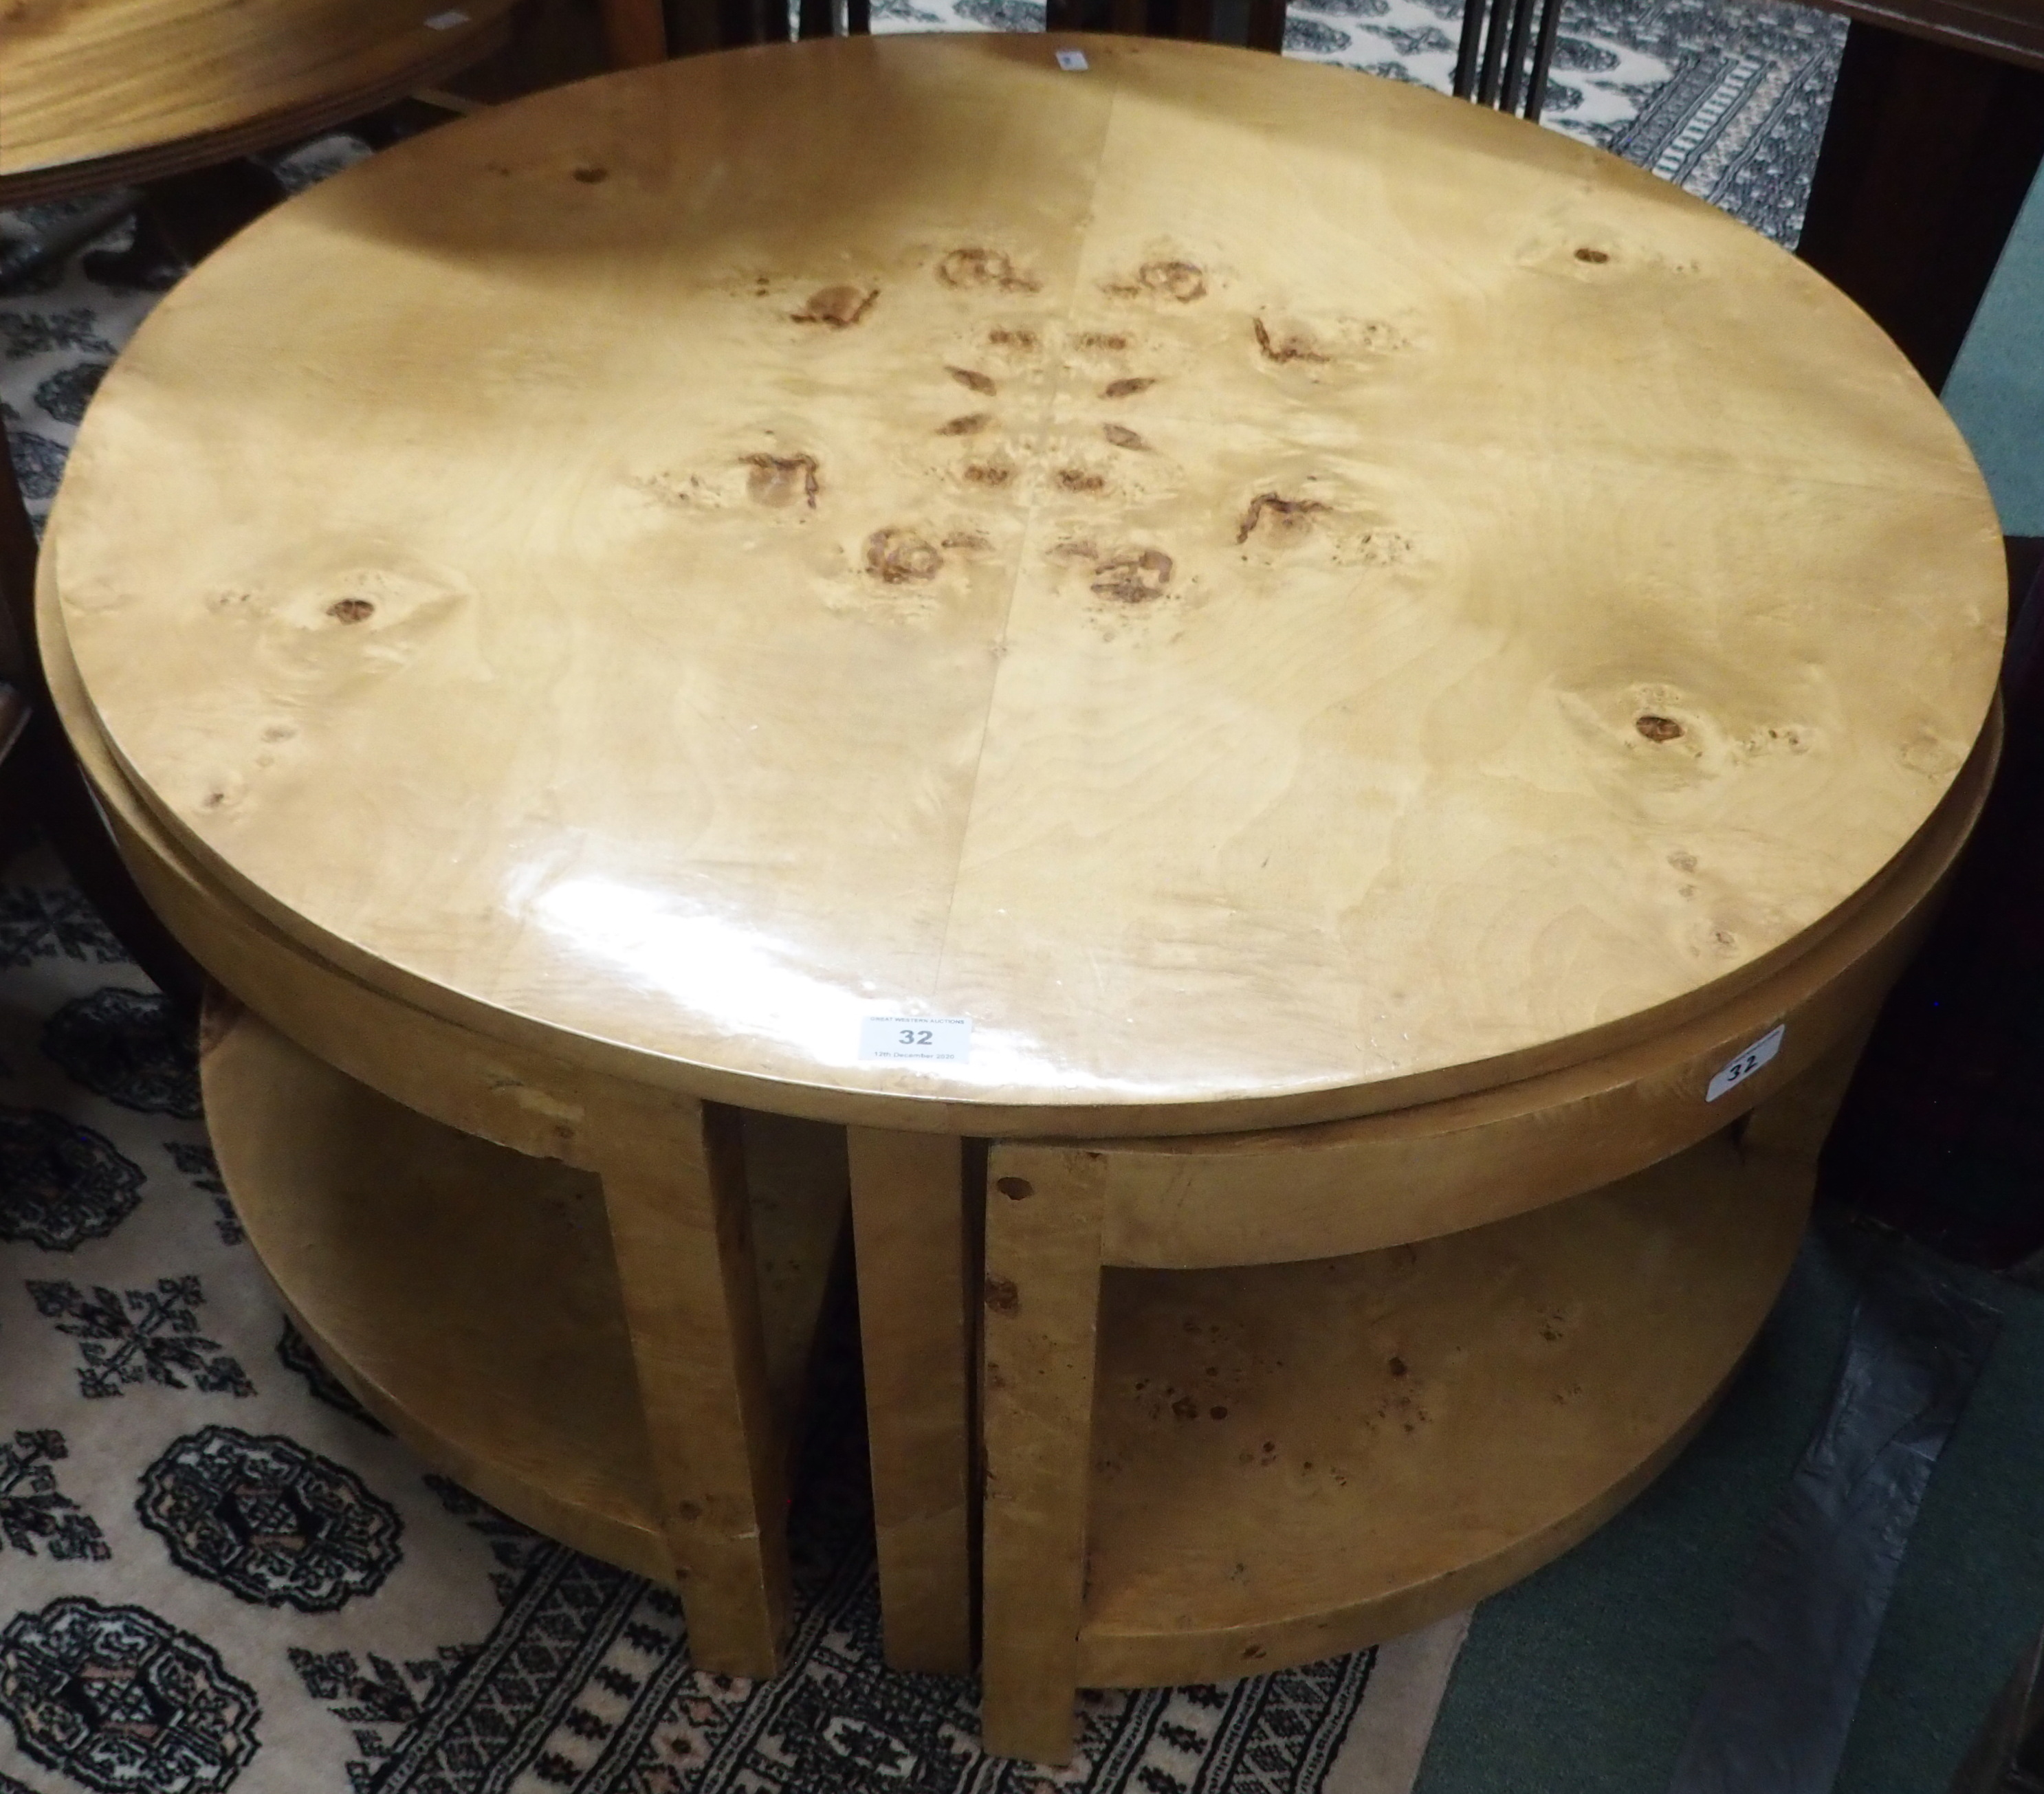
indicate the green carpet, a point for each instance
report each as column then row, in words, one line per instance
column 1581, row 1680
column 1997, row 387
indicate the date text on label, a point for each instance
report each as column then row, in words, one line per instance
column 915, row 1037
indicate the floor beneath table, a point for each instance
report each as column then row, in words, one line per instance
column 1996, row 388
column 1583, row 1677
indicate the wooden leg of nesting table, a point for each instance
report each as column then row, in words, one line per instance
column 673, row 1189
column 635, row 33
column 913, row 1238
column 1042, row 1307
column 1792, row 1122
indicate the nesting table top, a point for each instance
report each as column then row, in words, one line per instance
column 1268, row 593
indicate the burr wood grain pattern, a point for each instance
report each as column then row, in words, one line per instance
column 1278, row 595
column 1197, row 1475
column 912, row 1223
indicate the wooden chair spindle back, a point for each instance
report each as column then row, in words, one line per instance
column 1491, row 65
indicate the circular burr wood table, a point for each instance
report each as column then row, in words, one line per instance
column 1392, row 689
column 93, row 93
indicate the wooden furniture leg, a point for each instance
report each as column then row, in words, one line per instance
column 1046, row 1237
column 914, row 1249
column 698, row 27
column 1266, row 25
column 1044, row 1207
column 1793, row 1124
column 673, row 1189
column 1928, row 154
column 635, row 33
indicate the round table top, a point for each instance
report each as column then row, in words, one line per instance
column 1268, row 593
column 96, row 92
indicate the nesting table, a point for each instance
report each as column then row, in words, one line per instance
column 94, row 93
column 1293, row 725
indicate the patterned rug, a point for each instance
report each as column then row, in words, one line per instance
column 216, row 1572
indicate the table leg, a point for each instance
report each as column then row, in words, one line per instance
column 1927, row 155
column 1044, row 1206
column 635, row 33
column 914, row 1246
column 1793, row 1123
column 673, row 1190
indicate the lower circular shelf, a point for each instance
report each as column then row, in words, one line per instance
column 1290, row 1461
column 466, row 1294
column 1293, row 1461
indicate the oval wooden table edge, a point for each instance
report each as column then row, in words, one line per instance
column 910, row 1109
column 1354, row 1185
column 899, row 1099
column 532, row 1105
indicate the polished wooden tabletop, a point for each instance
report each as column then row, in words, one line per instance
column 94, row 92
column 1270, row 593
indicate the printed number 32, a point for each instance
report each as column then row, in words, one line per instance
column 913, row 1037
